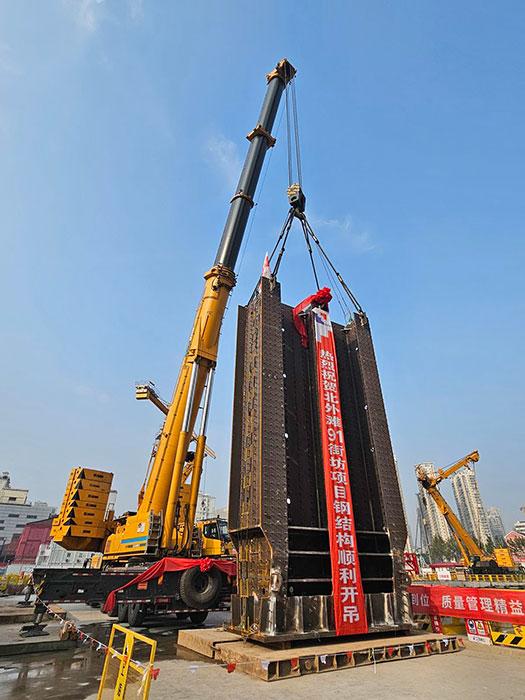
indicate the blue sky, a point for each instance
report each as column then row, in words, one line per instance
column 122, row 129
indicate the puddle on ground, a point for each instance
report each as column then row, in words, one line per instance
column 75, row 673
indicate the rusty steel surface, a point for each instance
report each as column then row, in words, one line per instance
column 277, row 503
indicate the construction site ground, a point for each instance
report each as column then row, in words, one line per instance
column 475, row 672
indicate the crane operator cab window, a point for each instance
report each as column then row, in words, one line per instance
column 216, row 530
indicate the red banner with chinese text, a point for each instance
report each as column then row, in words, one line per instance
column 490, row 604
column 349, row 599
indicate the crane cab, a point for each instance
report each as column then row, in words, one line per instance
column 212, row 538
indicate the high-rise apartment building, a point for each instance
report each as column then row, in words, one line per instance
column 431, row 519
column 470, row 506
column 497, row 529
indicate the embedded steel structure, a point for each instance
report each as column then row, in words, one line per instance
column 277, row 505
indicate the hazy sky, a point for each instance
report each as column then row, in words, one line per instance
column 122, row 128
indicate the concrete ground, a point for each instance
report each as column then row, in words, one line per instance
column 474, row 673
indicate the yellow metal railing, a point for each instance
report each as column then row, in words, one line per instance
column 122, row 671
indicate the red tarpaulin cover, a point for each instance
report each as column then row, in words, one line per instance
column 320, row 298
column 172, row 564
column 490, row 604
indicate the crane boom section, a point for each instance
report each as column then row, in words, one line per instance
column 445, row 473
column 165, row 517
column 466, row 543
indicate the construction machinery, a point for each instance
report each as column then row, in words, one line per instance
column 473, row 556
column 164, row 523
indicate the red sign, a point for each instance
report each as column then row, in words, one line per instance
column 478, row 631
column 349, row 599
column 491, row 604
column 411, row 563
column 435, row 621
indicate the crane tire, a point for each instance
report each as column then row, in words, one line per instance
column 136, row 614
column 122, row 612
column 201, row 589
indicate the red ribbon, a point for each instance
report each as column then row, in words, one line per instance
column 155, row 673
column 230, row 668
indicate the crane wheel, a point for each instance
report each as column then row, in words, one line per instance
column 136, row 614
column 122, row 612
column 200, row 589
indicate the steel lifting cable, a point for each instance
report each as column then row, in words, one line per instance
column 292, row 133
column 296, row 135
column 286, row 225
column 288, row 136
column 345, row 309
column 310, row 253
column 343, row 284
column 284, row 236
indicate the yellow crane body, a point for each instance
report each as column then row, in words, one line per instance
column 165, row 517
column 470, row 551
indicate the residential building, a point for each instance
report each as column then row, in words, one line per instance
column 15, row 510
column 9, row 494
column 519, row 527
column 432, row 524
column 497, row 529
column 206, row 507
column 32, row 537
column 471, row 511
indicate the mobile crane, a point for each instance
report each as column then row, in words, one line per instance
column 473, row 556
column 163, row 525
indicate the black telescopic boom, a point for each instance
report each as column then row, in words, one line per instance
column 261, row 140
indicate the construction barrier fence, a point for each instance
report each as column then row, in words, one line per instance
column 128, row 666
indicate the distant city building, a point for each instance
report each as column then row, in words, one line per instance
column 206, row 507
column 53, row 556
column 497, row 529
column 222, row 512
column 16, row 512
column 514, row 541
column 470, row 506
column 9, row 494
column 32, row 537
column 519, row 527
column 432, row 523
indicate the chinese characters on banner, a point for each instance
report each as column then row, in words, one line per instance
column 349, row 600
column 490, row 604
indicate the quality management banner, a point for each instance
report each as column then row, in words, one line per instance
column 490, row 604
column 349, row 599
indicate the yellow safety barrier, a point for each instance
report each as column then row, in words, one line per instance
column 508, row 639
column 127, row 669
column 13, row 582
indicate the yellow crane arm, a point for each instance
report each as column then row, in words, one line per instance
column 445, row 473
column 165, row 517
column 465, row 542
